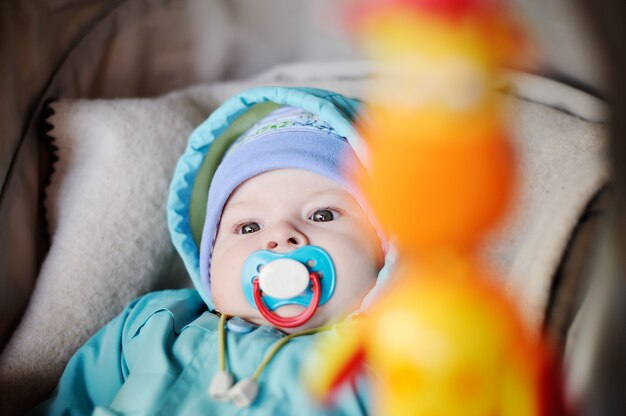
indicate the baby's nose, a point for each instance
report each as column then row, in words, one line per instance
column 285, row 237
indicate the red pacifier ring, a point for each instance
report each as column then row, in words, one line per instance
column 292, row 321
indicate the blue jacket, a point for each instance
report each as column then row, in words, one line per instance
column 161, row 353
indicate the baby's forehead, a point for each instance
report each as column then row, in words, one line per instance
column 296, row 184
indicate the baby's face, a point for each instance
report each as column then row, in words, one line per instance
column 285, row 209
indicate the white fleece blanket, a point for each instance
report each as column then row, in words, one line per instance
column 106, row 205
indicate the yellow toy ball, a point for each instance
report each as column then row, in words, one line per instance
column 449, row 344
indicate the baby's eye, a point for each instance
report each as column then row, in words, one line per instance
column 324, row 215
column 249, row 227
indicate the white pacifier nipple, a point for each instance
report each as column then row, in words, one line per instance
column 284, row 278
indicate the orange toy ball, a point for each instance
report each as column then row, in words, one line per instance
column 433, row 192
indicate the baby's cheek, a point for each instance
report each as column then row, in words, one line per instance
column 227, row 299
column 217, row 293
column 365, row 243
column 223, row 281
column 357, row 274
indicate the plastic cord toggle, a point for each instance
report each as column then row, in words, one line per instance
column 220, row 386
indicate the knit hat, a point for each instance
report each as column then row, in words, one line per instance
column 288, row 137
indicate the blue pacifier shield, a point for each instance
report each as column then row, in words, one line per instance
column 313, row 258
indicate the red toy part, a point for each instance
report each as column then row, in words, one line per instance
column 451, row 10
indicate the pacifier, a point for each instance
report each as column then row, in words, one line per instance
column 304, row 277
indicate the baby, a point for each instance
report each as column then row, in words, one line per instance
column 283, row 210
column 287, row 246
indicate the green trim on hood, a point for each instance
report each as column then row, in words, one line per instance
column 197, row 208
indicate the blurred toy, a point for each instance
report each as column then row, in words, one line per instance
column 440, row 154
column 443, row 339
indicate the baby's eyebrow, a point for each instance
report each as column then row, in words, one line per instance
column 240, row 204
column 326, row 192
column 247, row 203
